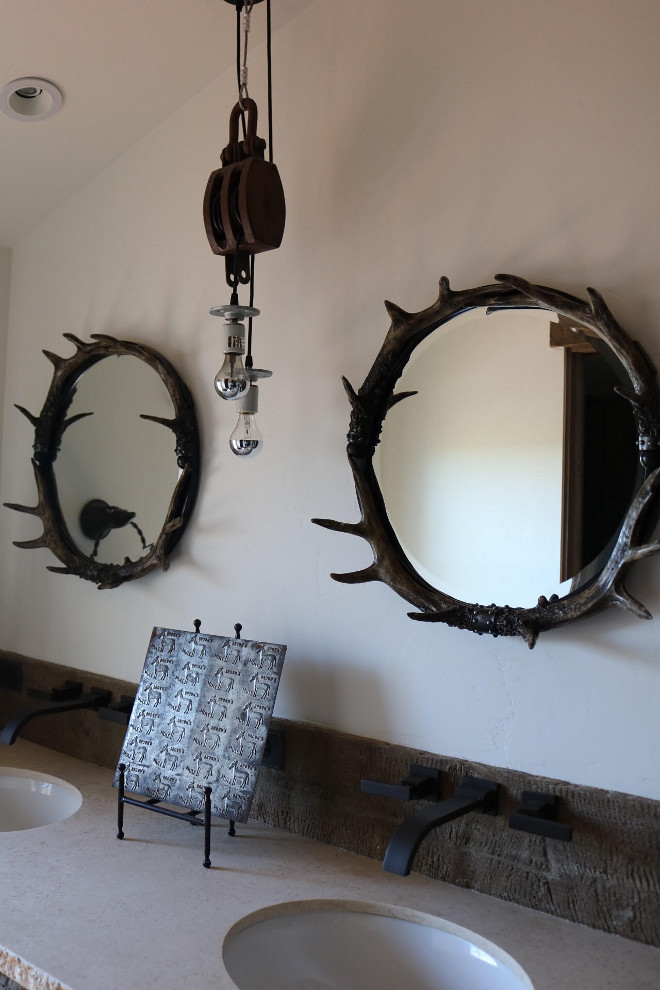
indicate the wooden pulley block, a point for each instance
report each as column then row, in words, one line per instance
column 244, row 205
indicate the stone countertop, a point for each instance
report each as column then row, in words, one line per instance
column 81, row 910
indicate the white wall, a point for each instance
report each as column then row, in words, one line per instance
column 5, row 269
column 413, row 141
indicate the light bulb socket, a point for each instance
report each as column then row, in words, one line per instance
column 248, row 403
column 234, row 337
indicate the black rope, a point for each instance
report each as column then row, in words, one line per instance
column 248, row 356
column 269, row 59
column 135, row 527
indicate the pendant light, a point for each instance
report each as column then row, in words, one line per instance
column 244, row 215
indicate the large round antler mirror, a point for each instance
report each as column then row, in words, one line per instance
column 517, row 462
column 116, row 461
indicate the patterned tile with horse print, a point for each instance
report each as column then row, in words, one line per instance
column 200, row 719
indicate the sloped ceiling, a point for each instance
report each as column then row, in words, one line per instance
column 123, row 66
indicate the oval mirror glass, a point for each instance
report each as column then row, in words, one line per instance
column 115, row 457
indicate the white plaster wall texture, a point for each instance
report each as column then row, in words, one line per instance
column 413, row 141
column 5, row 271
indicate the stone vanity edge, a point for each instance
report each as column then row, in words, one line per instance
column 608, row 877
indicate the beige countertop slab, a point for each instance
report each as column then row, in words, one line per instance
column 81, row 910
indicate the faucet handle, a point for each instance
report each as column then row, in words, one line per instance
column 480, row 790
column 537, row 813
column 421, row 782
column 67, row 692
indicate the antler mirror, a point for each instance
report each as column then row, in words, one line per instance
column 515, row 385
column 116, row 461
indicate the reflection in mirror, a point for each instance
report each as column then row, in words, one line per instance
column 118, row 457
column 471, row 467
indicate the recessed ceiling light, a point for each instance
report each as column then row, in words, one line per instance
column 30, row 98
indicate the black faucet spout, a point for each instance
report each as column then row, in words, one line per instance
column 472, row 794
column 94, row 700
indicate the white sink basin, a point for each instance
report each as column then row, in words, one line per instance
column 29, row 799
column 350, row 945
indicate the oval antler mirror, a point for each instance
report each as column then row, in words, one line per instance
column 520, row 455
column 116, row 461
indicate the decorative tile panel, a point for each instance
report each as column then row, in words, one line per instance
column 200, row 719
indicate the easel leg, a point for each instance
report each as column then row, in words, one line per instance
column 120, row 802
column 207, row 827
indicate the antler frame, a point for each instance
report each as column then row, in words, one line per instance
column 49, row 428
column 376, row 396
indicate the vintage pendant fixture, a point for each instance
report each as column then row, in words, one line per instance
column 244, row 215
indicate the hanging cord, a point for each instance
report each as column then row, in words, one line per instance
column 135, row 527
column 242, row 31
column 248, row 355
column 242, row 65
column 269, row 59
column 239, row 7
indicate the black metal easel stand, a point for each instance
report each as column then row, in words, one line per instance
column 153, row 804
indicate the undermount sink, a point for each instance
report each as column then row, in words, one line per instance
column 350, row 945
column 29, row 799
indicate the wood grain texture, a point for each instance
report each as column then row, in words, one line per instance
column 608, row 877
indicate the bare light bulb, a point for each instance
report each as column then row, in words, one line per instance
column 246, row 439
column 232, row 380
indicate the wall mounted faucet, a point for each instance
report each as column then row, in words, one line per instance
column 472, row 794
column 421, row 782
column 66, row 699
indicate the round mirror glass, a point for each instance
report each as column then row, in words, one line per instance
column 509, row 473
column 122, row 464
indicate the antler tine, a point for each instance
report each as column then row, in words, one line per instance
column 54, row 359
column 35, row 510
column 353, row 529
column 74, row 419
column 171, row 424
column 80, row 344
column 28, row 415
column 599, row 307
column 645, row 493
column 350, row 391
column 401, row 395
column 530, row 632
column 367, row 574
column 444, row 292
column 36, row 544
column 397, row 315
column 623, row 599
column 437, row 615
column 641, row 553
